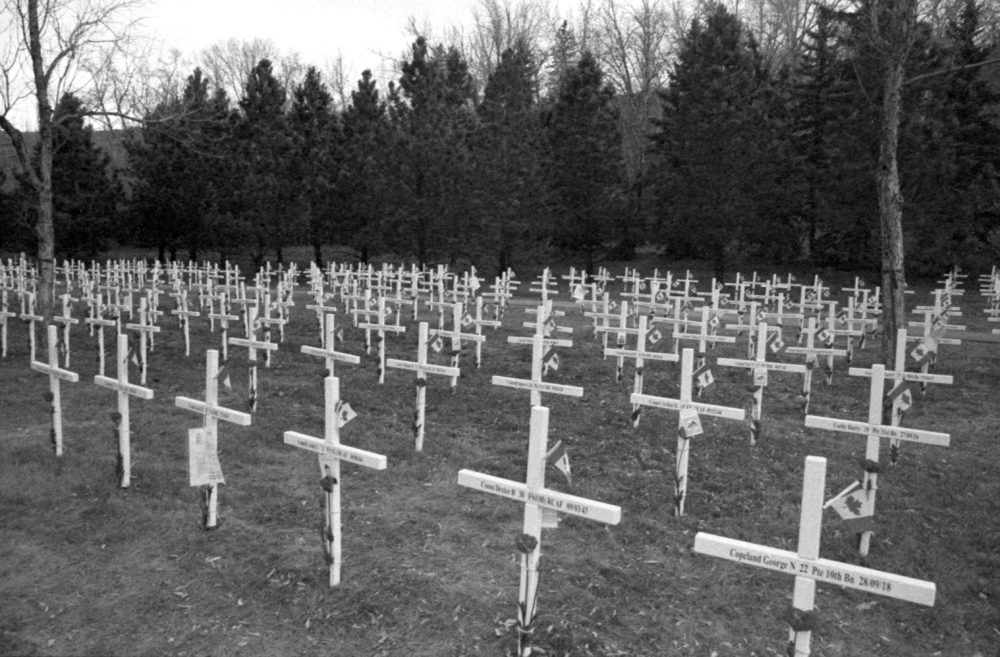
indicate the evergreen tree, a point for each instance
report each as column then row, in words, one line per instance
column 315, row 165
column 709, row 141
column 585, row 145
column 178, row 164
column 267, row 192
column 86, row 189
column 509, row 158
column 433, row 117
column 366, row 185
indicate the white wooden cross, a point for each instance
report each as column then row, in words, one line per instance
column 875, row 430
column 621, row 331
column 184, row 315
column 67, row 321
column 145, row 328
column 688, row 424
column 456, row 336
column 542, row 285
column 812, row 352
column 759, row 368
column 29, row 315
column 708, row 332
column 207, row 436
column 252, row 344
column 5, row 315
column 422, row 368
column 641, row 356
column 603, row 316
column 224, row 318
column 97, row 319
column 541, row 347
column 479, row 322
column 55, row 374
column 808, row 568
column 331, row 453
column 328, row 351
column 382, row 326
column 535, row 497
column 122, row 421
column 899, row 398
column 266, row 321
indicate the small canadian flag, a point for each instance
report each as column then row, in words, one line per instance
column 466, row 320
column 344, row 413
column 437, row 344
column 856, row 507
column 655, row 336
column 559, row 457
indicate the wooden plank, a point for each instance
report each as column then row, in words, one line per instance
column 678, row 405
column 342, row 452
column 549, row 499
column 540, row 386
column 823, row 570
column 880, row 430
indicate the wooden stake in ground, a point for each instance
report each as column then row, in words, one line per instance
column 900, row 398
column 67, row 321
column 542, row 352
column 252, row 344
column 422, row 368
column 203, row 443
column 145, row 328
column 759, row 368
column 535, row 497
column 331, row 452
column 381, row 326
column 641, row 356
column 456, row 336
column 808, row 568
column 121, row 417
column 875, row 430
column 5, row 315
column 55, row 374
column 184, row 316
column 689, row 423
column 328, row 352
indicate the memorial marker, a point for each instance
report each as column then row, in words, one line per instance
column 55, row 374
column 203, row 443
column 807, row 566
column 422, row 368
column 331, row 452
column 688, row 424
column 535, row 497
column 759, row 368
column 641, row 355
column 121, row 417
column 875, row 430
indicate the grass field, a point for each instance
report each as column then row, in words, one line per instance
column 430, row 568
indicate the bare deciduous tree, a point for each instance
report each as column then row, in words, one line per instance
column 54, row 47
column 498, row 25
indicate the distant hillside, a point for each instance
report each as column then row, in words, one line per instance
column 111, row 141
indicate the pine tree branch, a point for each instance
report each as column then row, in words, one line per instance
column 965, row 67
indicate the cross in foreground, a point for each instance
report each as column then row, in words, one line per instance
column 688, row 424
column 331, row 452
column 203, row 443
column 808, row 568
column 124, row 389
column 535, row 497
column 55, row 374
column 422, row 368
column 875, row 431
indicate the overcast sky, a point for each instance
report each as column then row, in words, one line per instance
column 362, row 31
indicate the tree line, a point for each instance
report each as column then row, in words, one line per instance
column 739, row 154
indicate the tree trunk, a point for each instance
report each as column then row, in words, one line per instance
column 890, row 197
